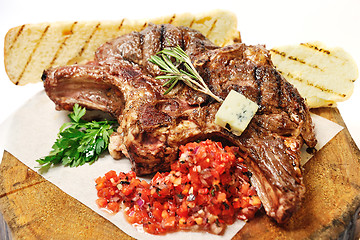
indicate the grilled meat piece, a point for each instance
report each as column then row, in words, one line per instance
column 121, row 81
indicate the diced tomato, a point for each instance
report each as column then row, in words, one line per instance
column 99, row 186
column 220, row 168
column 157, row 178
column 100, row 180
column 104, row 193
column 182, row 210
column 156, row 213
column 236, row 203
column 202, row 199
column 206, row 187
column 203, row 191
column 131, row 175
column 134, row 182
column 145, row 184
column 111, row 174
column 182, row 223
column 255, row 201
column 169, row 222
column 127, row 189
column 245, row 188
column 113, row 206
column 132, row 217
column 101, row 202
column 221, row 197
column 245, row 202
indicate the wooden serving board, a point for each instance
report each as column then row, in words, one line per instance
column 36, row 209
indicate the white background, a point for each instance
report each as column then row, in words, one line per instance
column 336, row 23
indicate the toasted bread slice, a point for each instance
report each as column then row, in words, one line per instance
column 322, row 75
column 31, row 48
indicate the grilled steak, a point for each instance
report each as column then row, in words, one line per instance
column 120, row 80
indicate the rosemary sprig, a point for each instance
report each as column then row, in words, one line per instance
column 174, row 73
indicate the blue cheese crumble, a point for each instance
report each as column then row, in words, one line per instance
column 235, row 113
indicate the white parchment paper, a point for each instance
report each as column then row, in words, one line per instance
column 30, row 132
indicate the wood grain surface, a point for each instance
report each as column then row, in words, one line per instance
column 36, row 209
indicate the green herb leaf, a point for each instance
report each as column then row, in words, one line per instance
column 78, row 141
column 174, row 73
column 77, row 113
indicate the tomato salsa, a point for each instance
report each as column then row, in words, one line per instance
column 206, row 189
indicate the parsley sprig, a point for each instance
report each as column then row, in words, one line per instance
column 78, row 141
column 175, row 73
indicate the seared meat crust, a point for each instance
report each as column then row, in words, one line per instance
column 122, row 82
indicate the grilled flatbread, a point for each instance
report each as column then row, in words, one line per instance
column 322, row 75
column 31, row 48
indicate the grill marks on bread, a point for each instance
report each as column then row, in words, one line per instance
column 16, row 37
column 192, row 23
column 321, row 88
column 316, row 48
column 211, row 29
column 121, row 24
column 77, row 57
column 31, row 48
column 31, row 55
column 301, row 61
column 67, row 34
column 294, row 58
column 172, row 19
column 62, row 44
column 88, row 40
column 322, row 75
